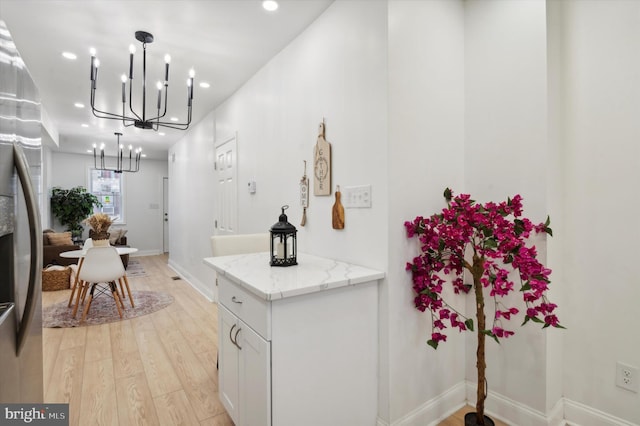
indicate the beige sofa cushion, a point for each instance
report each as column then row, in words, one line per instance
column 59, row 238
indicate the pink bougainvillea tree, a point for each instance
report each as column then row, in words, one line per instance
column 490, row 241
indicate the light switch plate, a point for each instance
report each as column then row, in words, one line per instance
column 356, row 197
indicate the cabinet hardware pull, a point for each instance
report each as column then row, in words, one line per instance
column 234, row 300
column 231, row 332
column 236, row 338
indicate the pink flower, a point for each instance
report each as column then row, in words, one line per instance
column 490, row 241
column 499, row 332
column 437, row 337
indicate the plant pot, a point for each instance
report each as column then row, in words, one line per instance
column 470, row 419
column 101, row 243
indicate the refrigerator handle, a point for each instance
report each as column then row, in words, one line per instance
column 22, row 167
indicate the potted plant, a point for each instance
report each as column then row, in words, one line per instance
column 489, row 241
column 99, row 224
column 72, row 206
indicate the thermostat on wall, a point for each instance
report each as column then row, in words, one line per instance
column 252, row 187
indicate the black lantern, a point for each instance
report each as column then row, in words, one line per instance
column 283, row 242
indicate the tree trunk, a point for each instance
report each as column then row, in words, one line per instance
column 481, row 365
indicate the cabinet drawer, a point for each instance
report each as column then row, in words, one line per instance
column 255, row 312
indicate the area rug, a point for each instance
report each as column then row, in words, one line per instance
column 103, row 310
column 135, row 269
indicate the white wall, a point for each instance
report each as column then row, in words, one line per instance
column 506, row 153
column 336, row 69
column 142, row 191
column 426, row 141
column 191, row 205
column 600, row 127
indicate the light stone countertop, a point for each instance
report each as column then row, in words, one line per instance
column 311, row 274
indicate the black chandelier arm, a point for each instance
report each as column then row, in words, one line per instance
column 98, row 113
column 137, row 117
column 159, row 116
column 176, row 126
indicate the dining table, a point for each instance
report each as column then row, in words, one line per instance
column 79, row 254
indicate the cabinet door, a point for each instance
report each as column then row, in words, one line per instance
column 255, row 378
column 228, row 363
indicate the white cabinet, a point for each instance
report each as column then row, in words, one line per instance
column 244, row 371
column 297, row 345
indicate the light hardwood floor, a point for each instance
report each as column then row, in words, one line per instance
column 158, row 369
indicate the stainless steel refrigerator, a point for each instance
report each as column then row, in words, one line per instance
column 20, row 230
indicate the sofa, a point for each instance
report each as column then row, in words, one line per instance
column 52, row 247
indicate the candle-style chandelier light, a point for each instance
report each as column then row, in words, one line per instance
column 134, row 158
column 141, row 121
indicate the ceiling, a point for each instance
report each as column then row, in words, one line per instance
column 224, row 41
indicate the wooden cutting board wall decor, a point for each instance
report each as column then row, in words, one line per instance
column 322, row 165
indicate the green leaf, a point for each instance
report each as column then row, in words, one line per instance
column 526, row 320
column 490, row 243
column 432, row 343
column 519, row 226
column 548, row 231
column 469, row 324
column 526, row 286
column 536, row 319
column 490, row 334
column 547, row 222
column 447, row 196
column 441, row 244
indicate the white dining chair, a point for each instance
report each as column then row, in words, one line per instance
column 101, row 269
column 124, row 283
column 88, row 243
column 77, row 284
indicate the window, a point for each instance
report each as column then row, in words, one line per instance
column 107, row 186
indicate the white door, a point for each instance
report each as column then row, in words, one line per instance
column 165, row 214
column 226, row 220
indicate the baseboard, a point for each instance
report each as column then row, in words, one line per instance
column 565, row 412
column 433, row 411
column 192, row 281
column 499, row 407
column 140, row 253
column 578, row 414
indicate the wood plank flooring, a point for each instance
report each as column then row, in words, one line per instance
column 158, row 369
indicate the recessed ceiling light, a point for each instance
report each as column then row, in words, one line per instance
column 204, row 85
column 89, row 151
column 143, row 155
column 84, row 125
column 78, row 105
column 69, row 55
column 174, row 119
column 270, row 5
column 161, row 133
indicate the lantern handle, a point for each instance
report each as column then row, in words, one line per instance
column 286, row 206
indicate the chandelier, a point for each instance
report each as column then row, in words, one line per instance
column 134, row 156
column 141, row 121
